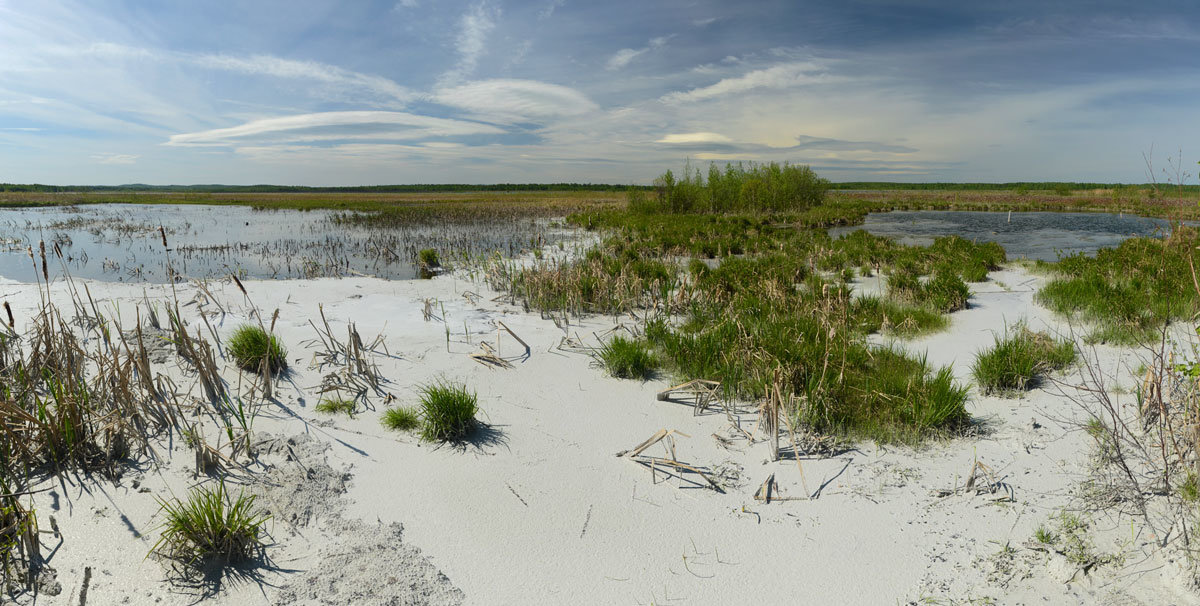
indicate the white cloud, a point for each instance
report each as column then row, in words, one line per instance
column 406, row 4
column 695, row 138
column 504, row 99
column 329, row 126
column 782, row 76
column 473, row 29
column 277, row 67
column 548, row 12
column 625, row 56
column 111, row 158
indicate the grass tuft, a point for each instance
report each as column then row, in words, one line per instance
column 1018, row 358
column 336, row 405
column 428, row 258
column 251, row 346
column 627, row 359
column 448, row 411
column 211, row 528
column 401, row 419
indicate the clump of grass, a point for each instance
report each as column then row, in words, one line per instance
column 1044, row 535
column 627, row 359
column 252, row 346
column 336, row 405
column 447, row 411
column 428, row 258
column 1018, row 358
column 401, row 419
column 211, row 528
column 1130, row 291
column 946, row 292
column 1189, row 488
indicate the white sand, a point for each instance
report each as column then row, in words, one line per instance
column 539, row 510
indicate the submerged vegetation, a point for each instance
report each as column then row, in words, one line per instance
column 1016, row 360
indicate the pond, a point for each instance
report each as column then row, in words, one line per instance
column 1033, row 235
column 122, row 242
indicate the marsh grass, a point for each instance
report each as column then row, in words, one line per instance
column 337, row 406
column 447, row 411
column 211, row 528
column 627, row 359
column 253, row 348
column 1016, row 360
column 1129, row 292
column 401, row 419
column 428, row 257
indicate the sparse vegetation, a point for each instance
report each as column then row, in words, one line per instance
column 627, row 359
column 1018, row 358
column 252, row 348
column 211, row 528
column 336, row 406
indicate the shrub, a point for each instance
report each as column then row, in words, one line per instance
column 336, row 405
column 401, row 419
column 251, row 346
column 627, row 359
column 448, row 411
column 1015, row 360
column 211, row 528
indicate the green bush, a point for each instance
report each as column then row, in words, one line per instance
column 211, row 528
column 1018, row 358
column 627, row 359
column 447, row 410
column 251, row 346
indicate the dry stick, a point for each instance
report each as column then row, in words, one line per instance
column 514, row 335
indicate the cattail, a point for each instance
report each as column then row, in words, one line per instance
column 162, row 232
column 42, row 251
column 239, row 284
column 11, row 323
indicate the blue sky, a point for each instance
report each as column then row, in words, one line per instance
column 419, row 91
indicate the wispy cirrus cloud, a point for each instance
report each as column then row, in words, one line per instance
column 625, row 56
column 471, row 41
column 277, row 67
column 515, row 100
column 110, row 158
column 694, row 138
column 335, row 126
column 783, row 76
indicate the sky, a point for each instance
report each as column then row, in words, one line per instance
column 363, row 92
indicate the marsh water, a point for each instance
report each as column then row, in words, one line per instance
column 1034, row 235
column 122, row 242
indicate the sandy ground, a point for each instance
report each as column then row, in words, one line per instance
column 539, row 509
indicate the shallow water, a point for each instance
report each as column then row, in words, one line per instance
column 122, row 243
column 1033, row 235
